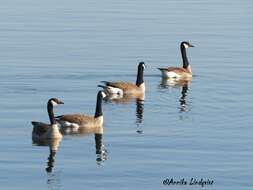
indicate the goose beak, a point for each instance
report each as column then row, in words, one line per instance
column 60, row 102
column 190, row 45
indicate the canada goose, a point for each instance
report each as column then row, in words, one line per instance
column 47, row 131
column 122, row 87
column 77, row 121
column 175, row 72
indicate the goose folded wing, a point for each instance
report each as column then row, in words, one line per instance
column 40, row 127
column 74, row 118
column 121, row 85
column 177, row 70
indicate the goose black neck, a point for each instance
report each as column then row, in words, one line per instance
column 99, row 112
column 139, row 79
column 51, row 113
column 184, row 57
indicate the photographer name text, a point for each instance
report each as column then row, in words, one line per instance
column 191, row 182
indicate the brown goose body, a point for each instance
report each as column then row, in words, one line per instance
column 122, row 87
column 79, row 120
column 87, row 129
column 76, row 121
column 176, row 73
column 39, row 127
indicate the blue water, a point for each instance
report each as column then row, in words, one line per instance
column 64, row 48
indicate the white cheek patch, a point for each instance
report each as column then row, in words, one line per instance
column 144, row 67
column 186, row 46
column 103, row 95
column 54, row 103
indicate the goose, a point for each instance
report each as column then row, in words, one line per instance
column 184, row 72
column 78, row 121
column 121, row 87
column 42, row 131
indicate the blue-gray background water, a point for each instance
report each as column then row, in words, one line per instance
column 64, row 48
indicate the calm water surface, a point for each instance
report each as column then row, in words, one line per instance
column 64, row 48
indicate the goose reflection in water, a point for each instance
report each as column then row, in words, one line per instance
column 168, row 83
column 139, row 114
column 101, row 152
column 182, row 100
column 53, row 145
column 127, row 98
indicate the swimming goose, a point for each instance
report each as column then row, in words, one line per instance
column 122, row 87
column 176, row 72
column 43, row 131
column 77, row 121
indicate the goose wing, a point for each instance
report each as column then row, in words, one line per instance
column 40, row 128
column 120, row 84
column 176, row 70
column 78, row 119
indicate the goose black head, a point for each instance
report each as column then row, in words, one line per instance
column 55, row 101
column 186, row 44
column 101, row 94
column 141, row 66
column 140, row 72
